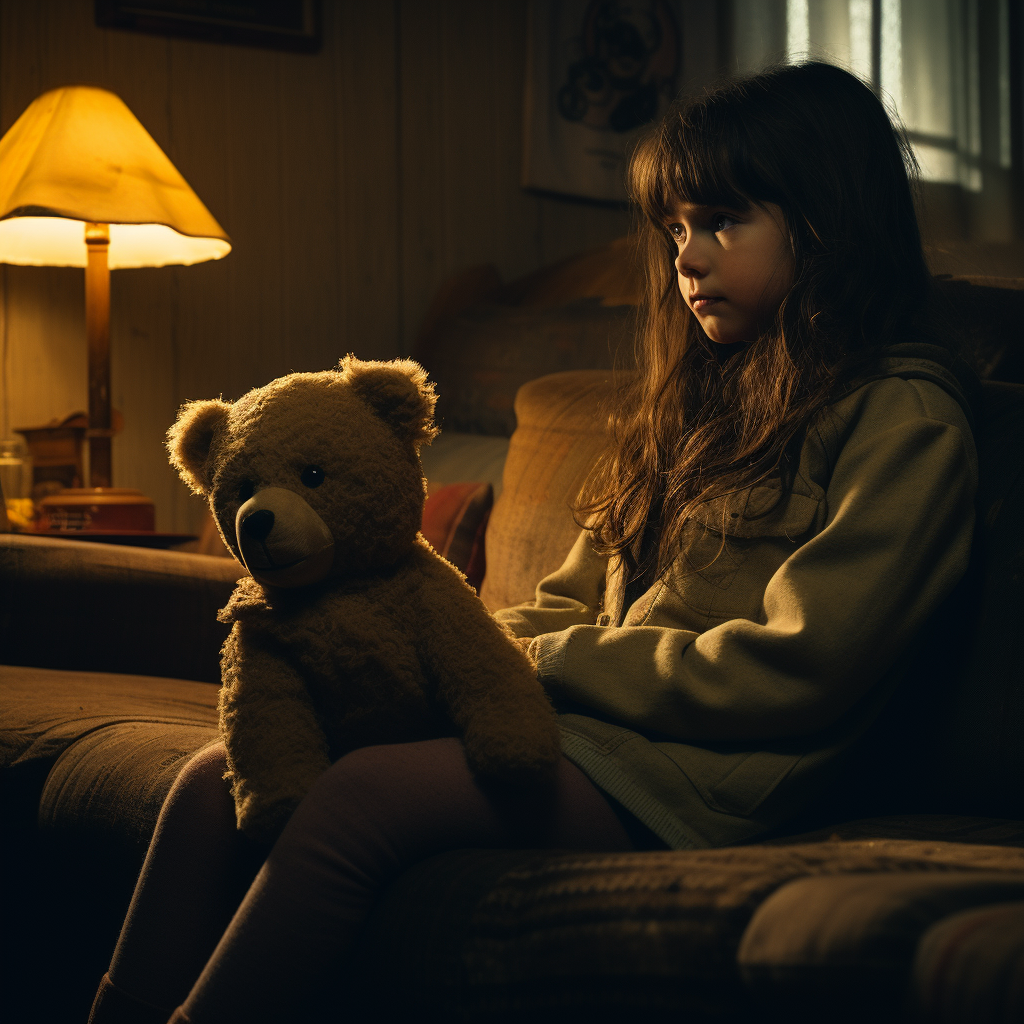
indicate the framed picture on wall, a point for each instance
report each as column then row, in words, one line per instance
column 278, row 24
column 598, row 72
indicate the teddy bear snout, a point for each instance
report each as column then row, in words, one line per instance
column 282, row 540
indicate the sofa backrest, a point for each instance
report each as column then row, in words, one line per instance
column 483, row 339
column 979, row 740
column 952, row 740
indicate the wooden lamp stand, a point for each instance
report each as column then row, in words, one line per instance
column 100, row 506
column 97, row 330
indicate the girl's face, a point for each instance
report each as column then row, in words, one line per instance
column 734, row 267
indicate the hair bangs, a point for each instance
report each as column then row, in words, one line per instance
column 689, row 159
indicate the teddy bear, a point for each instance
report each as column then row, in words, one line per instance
column 349, row 630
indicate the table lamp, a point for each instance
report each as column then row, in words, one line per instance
column 83, row 184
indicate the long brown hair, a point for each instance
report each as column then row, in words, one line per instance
column 815, row 141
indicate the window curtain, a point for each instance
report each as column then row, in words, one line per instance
column 942, row 66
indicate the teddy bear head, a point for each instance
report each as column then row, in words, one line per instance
column 315, row 474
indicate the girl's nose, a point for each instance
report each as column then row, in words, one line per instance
column 691, row 262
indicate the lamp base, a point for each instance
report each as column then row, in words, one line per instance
column 96, row 508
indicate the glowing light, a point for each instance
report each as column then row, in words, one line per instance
column 78, row 154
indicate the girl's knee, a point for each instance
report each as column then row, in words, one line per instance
column 200, row 788
column 389, row 788
column 393, row 766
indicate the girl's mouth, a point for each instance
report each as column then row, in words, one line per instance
column 704, row 302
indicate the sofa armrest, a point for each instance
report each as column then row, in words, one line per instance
column 108, row 608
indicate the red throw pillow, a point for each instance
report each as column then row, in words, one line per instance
column 454, row 521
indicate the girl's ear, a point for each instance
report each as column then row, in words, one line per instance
column 398, row 391
column 190, row 440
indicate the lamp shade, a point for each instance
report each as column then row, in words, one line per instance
column 79, row 155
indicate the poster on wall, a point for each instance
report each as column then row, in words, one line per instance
column 598, row 72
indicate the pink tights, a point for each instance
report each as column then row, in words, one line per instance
column 194, row 935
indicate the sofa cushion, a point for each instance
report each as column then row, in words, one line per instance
column 969, row 968
column 109, row 786
column 560, row 435
column 842, row 947
column 609, row 936
column 939, row 828
column 44, row 711
column 454, row 522
column 91, row 755
column 452, row 457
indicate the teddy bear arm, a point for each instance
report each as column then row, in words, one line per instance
column 275, row 743
column 488, row 687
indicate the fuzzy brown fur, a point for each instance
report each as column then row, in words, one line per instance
column 351, row 630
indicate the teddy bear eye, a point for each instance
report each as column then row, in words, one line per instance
column 312, row 476
column 246, row 491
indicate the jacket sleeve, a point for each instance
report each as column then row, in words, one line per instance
column 837, row 614
column 571, row 596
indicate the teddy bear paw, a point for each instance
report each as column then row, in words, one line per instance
column 515, row 758
column 263, row 823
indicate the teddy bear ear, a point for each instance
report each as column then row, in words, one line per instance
column 398, row 391
column 190, row 439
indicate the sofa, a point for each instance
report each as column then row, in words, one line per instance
column 897, row 896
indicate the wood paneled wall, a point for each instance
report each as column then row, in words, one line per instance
column 352, row 182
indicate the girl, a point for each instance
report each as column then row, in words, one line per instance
column 788, row 496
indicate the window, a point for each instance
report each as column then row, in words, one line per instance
column 932, row 62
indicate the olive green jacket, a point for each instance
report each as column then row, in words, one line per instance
column 720, row 701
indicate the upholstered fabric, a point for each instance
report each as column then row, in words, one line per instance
column 969, row 968
column 842, row 947
column 938, row 828
column 560, row 435
column 86, row 759
column 76, row 605
column 487, row 352
column 506, row 937
column 107, row 745
column 452, row 457
column 109, row 785
column 45, row 711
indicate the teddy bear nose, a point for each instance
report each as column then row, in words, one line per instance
column 258, row 524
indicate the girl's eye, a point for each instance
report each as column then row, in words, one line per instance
column 676, row 231
column 246, row 491
column 721, row 221
column 312, row 476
